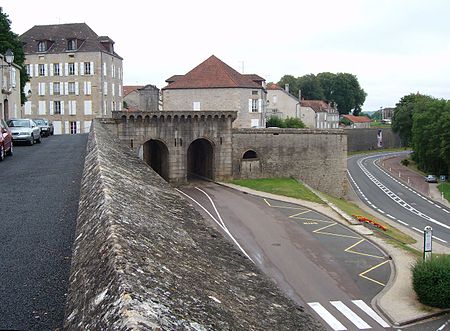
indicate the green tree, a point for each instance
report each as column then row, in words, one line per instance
column 275, row 121
column 293, row 84
column 348, row 94
column 9, row 39
column 327, row 81
column 428, row 138
column 310, row 87
column 294, row 122
column 402, row 120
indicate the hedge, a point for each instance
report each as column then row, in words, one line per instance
column 431, row 281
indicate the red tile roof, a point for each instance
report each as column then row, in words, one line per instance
column 358, row 119
column 212, row 73
column 127, row 89
column 316, row 105
column 273, row 86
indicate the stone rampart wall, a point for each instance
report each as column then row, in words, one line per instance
column 144, row 259
column 366, row 139
column 317, row 157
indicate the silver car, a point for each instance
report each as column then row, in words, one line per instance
column 24, row 129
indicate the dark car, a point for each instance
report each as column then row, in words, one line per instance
column 45, row 126
column 6, row 145
column 50, row 125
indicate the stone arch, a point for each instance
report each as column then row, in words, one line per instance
column 156, row 155
column 250, row 165
column 200, row 159
column 250, row 155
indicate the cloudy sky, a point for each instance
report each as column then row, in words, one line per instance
column 393, row 47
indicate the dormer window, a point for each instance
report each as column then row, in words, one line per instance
column 71, row 44
column 42, row 46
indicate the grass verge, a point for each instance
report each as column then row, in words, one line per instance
column 445, row 188
column 281, row 186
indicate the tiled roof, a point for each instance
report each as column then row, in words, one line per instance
column 316, row 105
column 212, row 73
column 127, row 89
column 58, row 35
column 357, row 119
column 273, row 86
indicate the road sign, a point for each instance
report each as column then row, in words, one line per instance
column 427, row 242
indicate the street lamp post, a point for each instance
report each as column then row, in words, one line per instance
column 9, row 59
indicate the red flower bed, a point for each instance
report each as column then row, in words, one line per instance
column 363, row 219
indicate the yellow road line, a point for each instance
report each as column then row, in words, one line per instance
column 285, row 207
column 363, row 274
column 348, row 250
column 300, row 213
column 333, row 234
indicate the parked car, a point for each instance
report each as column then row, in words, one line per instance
column 24, row 129
column 6, row 144
column 431, row 179
column 50, row 125
column 46, row 128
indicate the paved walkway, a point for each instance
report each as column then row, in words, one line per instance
column 398, row 301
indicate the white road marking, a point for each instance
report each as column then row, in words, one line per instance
column 326, row 316
column 443, row 326
column 404, row 223
column 369, row 311
column 219, row 224
column 347, row 312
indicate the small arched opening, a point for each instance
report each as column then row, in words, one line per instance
column 250, row 165
column 200, row 159
column 156, row 155
column 249, row 155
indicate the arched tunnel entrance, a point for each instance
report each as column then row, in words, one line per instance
column 200, row 159
column 156, row 155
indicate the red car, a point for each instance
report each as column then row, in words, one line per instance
column 6, row 145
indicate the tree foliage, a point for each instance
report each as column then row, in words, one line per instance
column 423, row 123
column 289, row 122
column 341, row 88
column 9, row 39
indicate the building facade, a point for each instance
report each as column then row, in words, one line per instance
column 319, row 114
column 215, row 86
column 358, row 122
column 75, row 76
column 280, row 102
column 142, row 98
column 10, row 85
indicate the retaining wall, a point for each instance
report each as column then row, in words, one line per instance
column 317, row 157
column 144, row 259
column 366, row 139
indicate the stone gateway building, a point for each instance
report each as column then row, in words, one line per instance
column 75, row 76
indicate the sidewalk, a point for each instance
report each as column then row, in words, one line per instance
column 397, row 301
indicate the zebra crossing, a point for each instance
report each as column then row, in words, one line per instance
column 346, row 314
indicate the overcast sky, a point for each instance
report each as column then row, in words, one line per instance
column 393, row 47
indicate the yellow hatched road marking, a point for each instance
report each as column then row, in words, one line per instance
column 333, row 234
column 285, row 207
column 300, row 213
column 348, row 250
column 313, row 220
column 363, row 274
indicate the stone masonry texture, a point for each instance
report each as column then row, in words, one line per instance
column 144, row 259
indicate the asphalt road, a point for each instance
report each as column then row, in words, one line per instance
column 395, row 200
column 320, row 264
column 39, row 195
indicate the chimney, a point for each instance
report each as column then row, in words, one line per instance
column 286, row 87
column 299, row 95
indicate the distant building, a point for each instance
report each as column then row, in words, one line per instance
column 319, row 114
column 215, row 86
column 75, row 76
column 142, row 98
column 358, row 121
column 387, row 114
column 10, row 85
column 280, row 102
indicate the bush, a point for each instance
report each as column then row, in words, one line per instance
column 275, row 121
column 431, row 281
column 293, row 122
column 405, row 162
